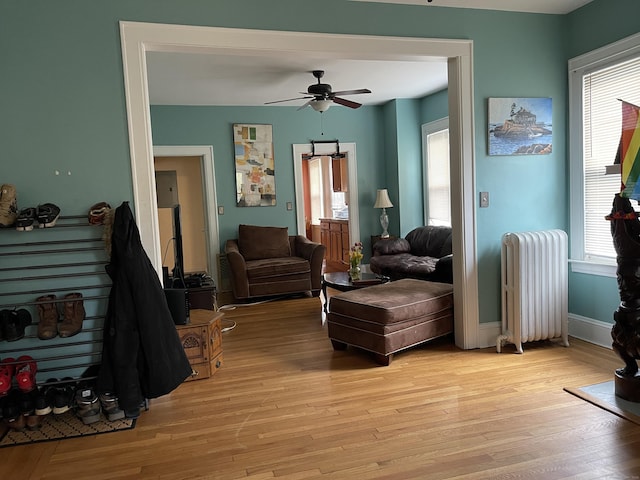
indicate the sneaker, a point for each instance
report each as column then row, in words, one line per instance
column 87, row 405
column 97, row 213
column 26, row 219
column 26, row 369
column 63, row 396
column 8, row 205
column 47, row 215
column 110, row 407
column 7, row 368
column 44, row 399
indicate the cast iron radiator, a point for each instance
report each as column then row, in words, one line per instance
column 534, row 282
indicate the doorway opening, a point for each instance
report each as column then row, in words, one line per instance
column 138, row 38
column 326, row 206
column 195, row 192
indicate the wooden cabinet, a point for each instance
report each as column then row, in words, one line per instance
column 202, row 342
column 334, row 235
column 202, row 297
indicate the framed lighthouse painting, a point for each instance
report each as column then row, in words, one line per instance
column 520, row 126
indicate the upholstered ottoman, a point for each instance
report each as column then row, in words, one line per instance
column 387, row 318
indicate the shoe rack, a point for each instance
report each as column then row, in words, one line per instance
column 65, row 259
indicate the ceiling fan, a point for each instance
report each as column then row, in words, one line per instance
column 321, row 96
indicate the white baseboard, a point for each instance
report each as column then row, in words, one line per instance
column 488, row 334
column 590, row 330
column 584, row 328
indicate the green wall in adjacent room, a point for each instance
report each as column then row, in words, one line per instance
column 188, row 125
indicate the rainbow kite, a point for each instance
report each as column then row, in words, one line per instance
column 629, row 151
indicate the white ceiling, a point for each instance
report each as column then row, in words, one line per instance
column 252, row 80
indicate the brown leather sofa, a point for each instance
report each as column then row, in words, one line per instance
column 424, row 254
column 267, row 261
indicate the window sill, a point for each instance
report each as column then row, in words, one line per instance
column 603, row 269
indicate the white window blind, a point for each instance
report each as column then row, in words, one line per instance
column 601, row 126
column 436, row 177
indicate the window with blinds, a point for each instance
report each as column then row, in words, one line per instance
column 437, row 177
column 602, row 90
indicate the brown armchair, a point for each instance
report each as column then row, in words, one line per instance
column 267, row 261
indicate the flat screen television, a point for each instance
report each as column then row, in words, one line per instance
column 177, row 275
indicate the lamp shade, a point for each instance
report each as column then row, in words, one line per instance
column 382, row 199
column 320, row 105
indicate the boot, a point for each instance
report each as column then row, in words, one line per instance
column 73, row 315
column 48, row 326
column 14, row 323
column 8, row 205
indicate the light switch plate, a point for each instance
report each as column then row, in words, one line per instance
column 220, row 210
column 484, row 199
column 289, row 206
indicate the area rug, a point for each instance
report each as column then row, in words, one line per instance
column 603, row 395
column 58, row 427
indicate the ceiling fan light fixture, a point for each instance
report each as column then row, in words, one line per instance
column 320, row 105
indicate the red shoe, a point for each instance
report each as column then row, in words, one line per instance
column 7, row 367
column 26, row 373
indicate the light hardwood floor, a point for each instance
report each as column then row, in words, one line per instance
column 285, row 405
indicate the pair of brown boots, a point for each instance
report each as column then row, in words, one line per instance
column 73, row 316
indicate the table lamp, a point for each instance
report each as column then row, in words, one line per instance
column 383, row 202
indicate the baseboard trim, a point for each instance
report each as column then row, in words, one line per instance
column 584, row 328
column 590, row 330
column 488, row 333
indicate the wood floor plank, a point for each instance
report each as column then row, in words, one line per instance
column 285, row 405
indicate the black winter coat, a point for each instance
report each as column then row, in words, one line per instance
column 142, row 354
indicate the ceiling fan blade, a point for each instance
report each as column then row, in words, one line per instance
column 352, row 92
column 346, row 103
column 287, row 100
column 306, row 104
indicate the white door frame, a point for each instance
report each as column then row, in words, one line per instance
column 352, row 171
column 205, row 152
column 138, row 38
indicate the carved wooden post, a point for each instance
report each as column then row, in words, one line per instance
column 625, row 230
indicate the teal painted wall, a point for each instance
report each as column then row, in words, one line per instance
column 65, row 110
column 410, row 205
column 390, row 178
column 434, row 107
column 188, row 125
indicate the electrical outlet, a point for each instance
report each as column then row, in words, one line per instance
column 484, row 199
